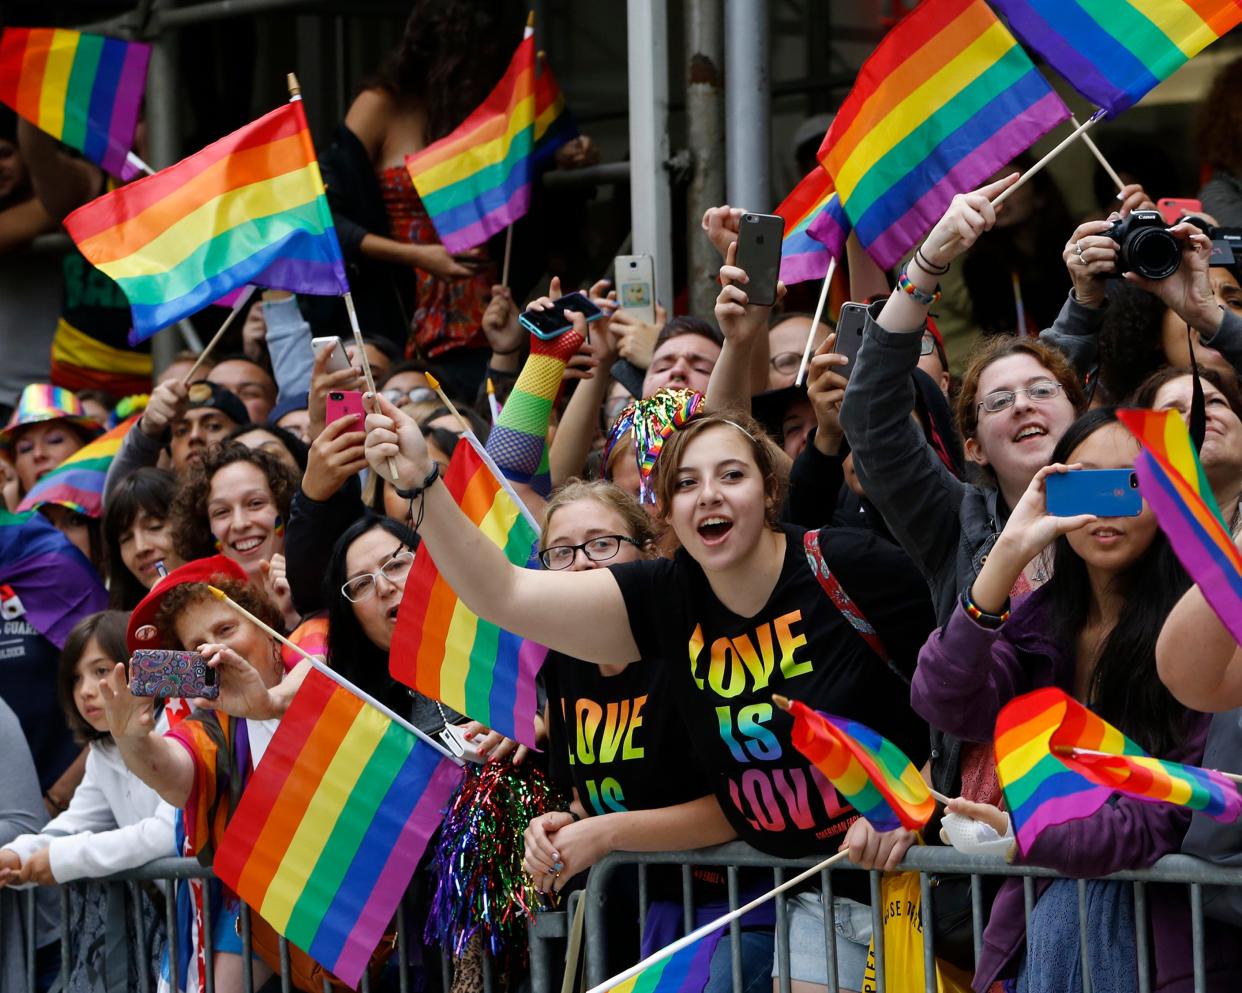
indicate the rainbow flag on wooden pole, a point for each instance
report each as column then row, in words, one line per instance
column 334, row 821
column 442, row 648
column 249, row 208
column 82, row 89
column 947, row 98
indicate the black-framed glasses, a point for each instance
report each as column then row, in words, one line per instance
column 1040, row 392
column 362, row 588
column 785, row 362
column 598, row 549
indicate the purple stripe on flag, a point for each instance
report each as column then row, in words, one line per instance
column 1018, row 135
column 56, row 590
column 395, row 876
column 1075, row 806
column 804, row 265
column 125, row 106
column 531, row 657
column 475, row 234
column 830, row 229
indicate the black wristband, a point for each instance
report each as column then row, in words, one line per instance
column 417, row 491
column 577, row 817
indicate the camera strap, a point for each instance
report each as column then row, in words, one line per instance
column 1198, row 406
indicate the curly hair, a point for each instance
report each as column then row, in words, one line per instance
column 192, row 535
column 188, row 594
column 451, row 54
column 1131, row 348
column 1218, row 129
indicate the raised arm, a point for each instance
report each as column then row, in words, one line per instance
column 158, row 761
column 745, row 328
column 579, row 613
column 1197, row 658
column 61, row 183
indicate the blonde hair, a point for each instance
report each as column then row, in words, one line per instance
column 638, row 525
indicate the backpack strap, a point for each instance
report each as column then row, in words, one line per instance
column 841, row 600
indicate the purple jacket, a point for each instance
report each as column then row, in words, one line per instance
column 966, row 674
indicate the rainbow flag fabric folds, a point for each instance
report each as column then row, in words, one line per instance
column 946, row 99
column 332, row 824
column 1058, row 762
column 78, row 482
column 871, row 772
column 249, row 208
column 82, row 89
column 815, row 228
column 685, row 971
column 444, row 650
column 1113, row 53
column 1172, row 481
column 477, row 180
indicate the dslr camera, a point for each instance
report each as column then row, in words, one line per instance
column 1147, row 248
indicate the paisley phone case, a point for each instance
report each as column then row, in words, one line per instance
column 160, row 672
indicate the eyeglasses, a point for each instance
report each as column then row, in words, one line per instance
column 399, row 398
column 785, row 362
column 362, row 588
column 1045, row 389
column 597, row 549
column 927, row 345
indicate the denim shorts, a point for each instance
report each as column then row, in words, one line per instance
column 807, row 960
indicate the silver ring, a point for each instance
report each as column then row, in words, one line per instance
column 1078, row 249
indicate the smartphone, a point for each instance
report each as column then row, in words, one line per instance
column 454, row 738
column 759, row 253
column 1173, row 210
column 161, row 672
column 339, row 361
column 342, row 403
column 551, row 323
column 635, row 282
column 849, row 335
column 1101, row 492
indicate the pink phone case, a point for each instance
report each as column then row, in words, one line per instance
column 341, row 403
column 161, row 672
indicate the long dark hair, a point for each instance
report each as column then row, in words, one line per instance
column 1124, row 689
column 148, row 490
column 451, row 54
column 350, row 651
column 108, row 628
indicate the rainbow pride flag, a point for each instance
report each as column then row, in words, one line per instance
column 249, row 208
column 310, row 636
column 78, row 482
column 1172, row 481
column 477, row 180
column 333, row 822
column 685, row 971
column 871, row 772
column 447, row 652
column 44, row 578
column 554, row 125
column 1113, row 53
column 82, row 89
column 946, row 99
column 1058, row 762
column 815, row 228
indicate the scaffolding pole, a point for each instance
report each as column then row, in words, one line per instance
column 705, row 136
column 650, row 198
column 164, row 141
column 748, row 104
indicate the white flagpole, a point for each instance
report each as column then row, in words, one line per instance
column 819, row 312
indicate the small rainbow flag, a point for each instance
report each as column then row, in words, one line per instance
column 946, row 99
column 249, row 208
column 871, row 772
column 52, row 581
column 78, row 482
column 82, row 89
column 477, row 180
column 333, row 822
column 815, row 228
column 450, row 654
column 1172, row 482
column 554, row 125
column 1114, row 53
column 685, row 971
column 1058, row 762
column 310, row 636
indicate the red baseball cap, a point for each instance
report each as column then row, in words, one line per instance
column 142, row 632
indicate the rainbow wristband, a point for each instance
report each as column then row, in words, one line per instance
column 922, row 296
column 982, row 617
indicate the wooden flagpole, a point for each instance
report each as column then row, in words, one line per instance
column 819, row 312
column 435, row 385
column 1099, row 157
column 1071, row 752
column 240, row 304
column 504, row 269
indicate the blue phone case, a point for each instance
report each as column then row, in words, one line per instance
column 559, row 306
column 1101, row 492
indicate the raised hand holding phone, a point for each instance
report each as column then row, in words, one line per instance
column 758, row 252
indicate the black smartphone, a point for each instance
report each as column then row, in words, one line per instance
column 849, row 335
column 759, row 253
column 550, row 323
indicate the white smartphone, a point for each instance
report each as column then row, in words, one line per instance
column 636, row 286
column 339, row 360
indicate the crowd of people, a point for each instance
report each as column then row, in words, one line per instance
column 875, row 543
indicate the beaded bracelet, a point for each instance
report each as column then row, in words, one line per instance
column 922, row 296
column 982, row 617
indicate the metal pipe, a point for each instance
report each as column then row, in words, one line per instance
column 705, row 141
column 877, row 931
column 976, row 915
column 782, row 935
column 650, row 198
column 735, row 930
column 1084, row 945
column 829, row 904
column 748, row 104
column 928, row 924
column 596, row 175
column 1196, row 937
column 1140, row 938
